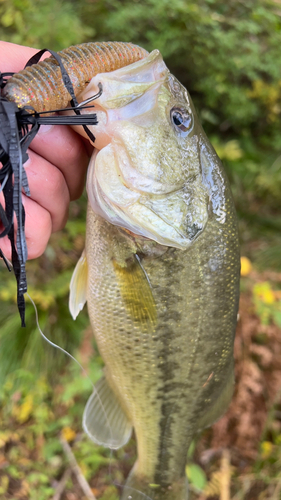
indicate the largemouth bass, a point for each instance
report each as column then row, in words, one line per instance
column 160, row 273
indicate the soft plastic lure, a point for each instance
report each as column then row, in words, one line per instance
column 44, row 87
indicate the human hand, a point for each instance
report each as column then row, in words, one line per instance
column 56, row 169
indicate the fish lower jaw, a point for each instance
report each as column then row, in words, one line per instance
column 134, row 219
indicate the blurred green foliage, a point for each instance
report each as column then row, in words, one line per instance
column 34, row 417
column 225, row 52
column 267, row 303
column 42, row 23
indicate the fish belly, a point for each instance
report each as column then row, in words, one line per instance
column 171, row 369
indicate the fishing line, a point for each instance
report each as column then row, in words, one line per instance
column 56, row 346
column 144, row 271
column 4, row 183
column 6, row 261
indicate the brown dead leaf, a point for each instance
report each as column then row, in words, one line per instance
column 263, row 354
column 3, row 460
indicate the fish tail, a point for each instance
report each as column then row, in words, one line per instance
column 138, row 488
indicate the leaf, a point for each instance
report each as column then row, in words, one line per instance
column 266, row 449
column 25, row 410
column 191, row 449
column 246, row 266
column 68, row 434
column 263, row 292
column 196, row 476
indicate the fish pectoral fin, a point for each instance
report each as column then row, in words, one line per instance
column 78, row 286
column 137, row 293
column 104, row 420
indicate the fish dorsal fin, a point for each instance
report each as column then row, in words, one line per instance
column 104, row 420
column 78, row 286
column 136, row 292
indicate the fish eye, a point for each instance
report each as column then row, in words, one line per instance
column 181, row 119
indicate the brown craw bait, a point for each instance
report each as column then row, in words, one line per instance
column 41, row 85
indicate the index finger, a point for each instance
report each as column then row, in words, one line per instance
column 14, row 57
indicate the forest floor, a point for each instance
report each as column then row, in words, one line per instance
column 45, row 455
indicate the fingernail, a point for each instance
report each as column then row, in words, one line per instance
column 45, row 128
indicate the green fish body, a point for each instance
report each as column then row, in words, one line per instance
column 160, row 274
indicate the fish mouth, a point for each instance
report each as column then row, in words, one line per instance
column 128, row 93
